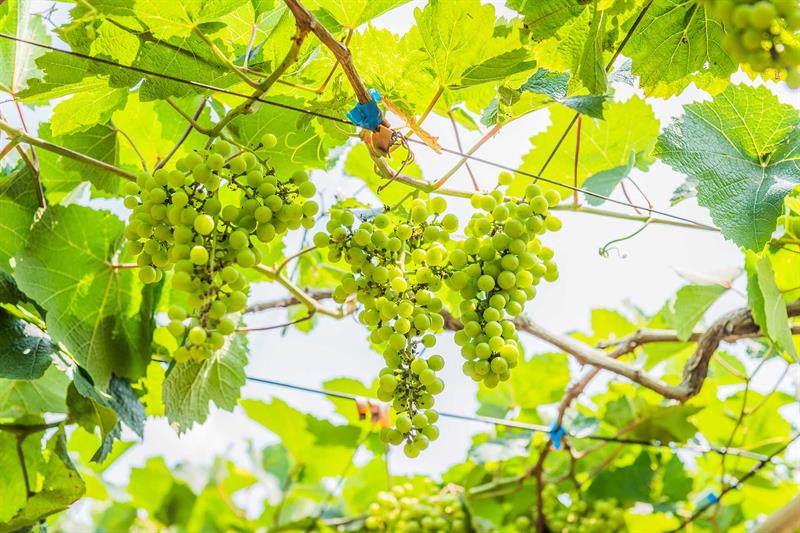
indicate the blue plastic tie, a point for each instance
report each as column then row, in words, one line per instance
column 367, row 116
column 712, row 498
column 556, row 434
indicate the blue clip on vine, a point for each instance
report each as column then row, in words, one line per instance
column 712, row 498
column 367, row 116
column 557, row 434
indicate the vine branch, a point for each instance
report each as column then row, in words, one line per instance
column 307, row 21
column 19, row 136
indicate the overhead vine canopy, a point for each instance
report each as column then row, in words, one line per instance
column 162, row 161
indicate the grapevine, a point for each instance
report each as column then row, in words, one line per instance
column 201, row 222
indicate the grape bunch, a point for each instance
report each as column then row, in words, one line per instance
column 762, row 33
column 597, row 516
column 398, row 262
column 407, row 509
column 495, row 270
column 201, row 222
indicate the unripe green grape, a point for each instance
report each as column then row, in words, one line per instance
column 198, row 255
column 197, row 335
column 269, row 141
column 237, row 300
column 203, row 224
column 148, row 274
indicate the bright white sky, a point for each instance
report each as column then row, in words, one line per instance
column 645, row 273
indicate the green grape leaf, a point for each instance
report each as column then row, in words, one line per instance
column 90, row 414
column 497, row 68
column 56, row 485
column 743, row 163
column 17, row 17
column 150, row 484
column 183, row 58
column 190, row 387
column 126, row 404
column 353, row 13
column 101, row 313
column 691, row 303
column 554, row 85
column 34, row 397
column 320, row 446
column 9, row 291
column 676, row 43
column 628, row 127
column 676, row 484
column 298, row 147
column 776, row 319
column 12, row 482
column 627, row 484
column 61, row 175
column 543, row 19
column 591, row 68
column 449, row 30
column 18, row 203
column 362, row 487
column 25, row 352
column 347, row 408
column 87, row 108
column 605, row 181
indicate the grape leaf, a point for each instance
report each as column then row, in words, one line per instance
column 776, row 319
column 543, row 19
column 34, row 397
column 101, row 313
column 17, row 18
column 627, row 484
column 126, row 404
column 591, row 69
column 12, row 482
column 190, row 387
column 554, row 85
column 743, row 152
column 87, row 108
column 25, row 352
column 497, row 68
column 605, row 181
column 317, row 444
column 628, row 127
column 353, row 13
column 691, row 303
column 449, row 30
column 61, row 175
column 90, row 414
column 18, row 204
column 675, row 41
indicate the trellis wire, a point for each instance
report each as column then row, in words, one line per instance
column 534, row 428
column 477, row 159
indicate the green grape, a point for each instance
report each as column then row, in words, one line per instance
column 762, row 34
column 494, row 270
column 198, row 222
column 396, row 263
column 595, row 516
column 408, row 508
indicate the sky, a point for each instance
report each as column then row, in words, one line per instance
column 644, row 271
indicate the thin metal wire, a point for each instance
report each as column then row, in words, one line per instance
column 750, row 473
column 535, row 428
column 214, row 88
